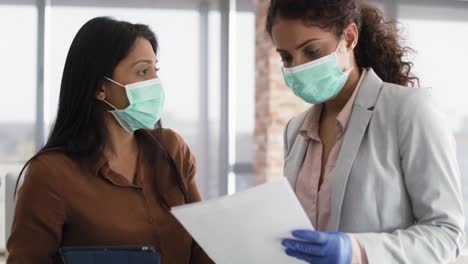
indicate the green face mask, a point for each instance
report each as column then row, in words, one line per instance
column 146, row 104
column 317, row 81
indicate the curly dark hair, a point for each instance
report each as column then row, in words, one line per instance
column 379, row 44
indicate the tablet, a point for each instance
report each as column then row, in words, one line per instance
column 110, row 255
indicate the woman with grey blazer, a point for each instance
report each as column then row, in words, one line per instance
column 372, row 161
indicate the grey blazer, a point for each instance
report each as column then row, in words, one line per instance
column 397, row 181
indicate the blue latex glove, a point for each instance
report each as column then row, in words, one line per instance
column 319, row 247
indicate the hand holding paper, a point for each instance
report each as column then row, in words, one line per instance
column 247, row 227
column 320, row 247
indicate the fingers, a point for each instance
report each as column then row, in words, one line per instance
column 311, row 236
column 304, row 247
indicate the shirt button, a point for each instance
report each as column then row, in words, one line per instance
column 150, row 219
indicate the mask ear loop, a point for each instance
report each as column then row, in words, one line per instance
column 104, row 100
column 118, row 120
column 110, row 80
column 347, row 61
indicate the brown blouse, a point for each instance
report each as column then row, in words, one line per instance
column 64, row 204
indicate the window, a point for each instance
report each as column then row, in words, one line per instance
column 245, row 95
column 18, row 100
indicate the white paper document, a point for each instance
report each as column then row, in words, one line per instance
column 246, row 227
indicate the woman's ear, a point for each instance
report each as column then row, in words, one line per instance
column 101, row 93
column 351, row 36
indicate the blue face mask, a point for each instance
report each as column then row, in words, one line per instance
column 317, row 81
column 146, row 104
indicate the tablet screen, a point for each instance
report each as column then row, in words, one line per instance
column 111, row 255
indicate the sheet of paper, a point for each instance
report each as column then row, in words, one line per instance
column 246, row 227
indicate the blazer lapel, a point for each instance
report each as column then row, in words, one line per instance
column 360, row 117
column 294, row 161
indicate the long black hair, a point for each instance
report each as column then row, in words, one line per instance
column 79, row 130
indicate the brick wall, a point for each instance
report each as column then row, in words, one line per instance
column 275, row 104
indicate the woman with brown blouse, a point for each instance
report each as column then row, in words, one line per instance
column 105, row 177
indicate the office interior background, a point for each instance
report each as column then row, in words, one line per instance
column 224, row 89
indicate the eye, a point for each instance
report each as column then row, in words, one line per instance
column 311, row 53
column 143, row 72
column 286, row 60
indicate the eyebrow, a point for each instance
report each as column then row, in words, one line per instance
column 300, row 45
column 145, row 61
